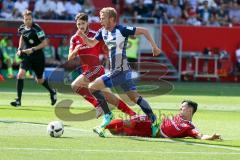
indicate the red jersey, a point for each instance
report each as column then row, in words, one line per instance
column 89, row 56
column 177, row 127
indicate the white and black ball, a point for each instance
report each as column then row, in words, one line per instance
column 55, row 129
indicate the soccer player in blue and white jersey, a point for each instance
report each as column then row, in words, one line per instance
column 115, row 37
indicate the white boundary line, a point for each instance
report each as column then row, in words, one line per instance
column 117, row 151
column 142, row 138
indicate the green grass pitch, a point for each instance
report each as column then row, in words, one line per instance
column 23, row 130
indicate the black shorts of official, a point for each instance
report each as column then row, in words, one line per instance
column 35, row 63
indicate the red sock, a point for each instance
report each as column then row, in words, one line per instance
column 87, row 95
column 125, row 109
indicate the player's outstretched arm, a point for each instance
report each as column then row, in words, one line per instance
column 89, row 41
column 143, row 31
column 208, row 137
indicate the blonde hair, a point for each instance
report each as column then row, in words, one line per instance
column 27, row 13
column 110, row 12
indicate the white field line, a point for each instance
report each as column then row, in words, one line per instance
column 34, row 93
column 113, row 151
column 141, row 138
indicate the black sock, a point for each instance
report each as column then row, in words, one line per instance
column 19, row 88
column 45, row 84
column 98, row 95
column 146, row 108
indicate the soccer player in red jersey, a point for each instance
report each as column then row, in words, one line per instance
column 92, row 69
column 178, row 126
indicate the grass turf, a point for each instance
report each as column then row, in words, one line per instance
column 23, row 130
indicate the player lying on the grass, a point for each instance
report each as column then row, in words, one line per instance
column 92, row 69
column 115, row 37
column 178, row 126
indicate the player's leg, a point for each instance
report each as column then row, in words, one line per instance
column 144, row 105
column 114, row 100
column 38, row 68
column 80, row 86
column 95, row 87
column 20, row 85
column 24, row 66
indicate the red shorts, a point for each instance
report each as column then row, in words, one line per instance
column 133, row 127
column 94, row 72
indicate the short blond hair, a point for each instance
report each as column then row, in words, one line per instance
column 110, row 12
column 27, row 13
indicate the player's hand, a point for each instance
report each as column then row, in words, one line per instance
column 156, row 51
column 19, row 52
column 80, row 33
column 28, row 51
column 216, row 137
column 77, row 48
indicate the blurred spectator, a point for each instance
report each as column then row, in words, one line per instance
column 129, row 6
column 222, row 14
column 187, row 7
column 193, row 3
column 31, row 5
column 9, row 55
column 92, row 18
column 140, row 10
column 1, row 62
column 73, row 8
column 192, row 18
column 149, row 4
column 174, row 12
column 214, row 21
column 159, row 12
column 3, row 42
column 205, row 13
column 50, row 55
column 132, row 51
column 8, row 6
column 45, row 9
column 61, row 11
column 63, row 50
column 19, row 7
column 238, row 58
column 211, row 3
column 234, row 13
column 88, row 7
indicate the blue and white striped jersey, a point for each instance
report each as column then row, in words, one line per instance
column 116, row 41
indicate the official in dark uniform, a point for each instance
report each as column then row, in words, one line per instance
column 31, row 43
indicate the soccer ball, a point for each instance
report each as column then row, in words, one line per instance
column 55, row 129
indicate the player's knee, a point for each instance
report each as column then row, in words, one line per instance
column 73, row 86
column 93, row 87
column 77, row 85
column 134, row 98
column 90, row 86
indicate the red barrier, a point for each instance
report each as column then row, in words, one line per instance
column 198, row 38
